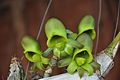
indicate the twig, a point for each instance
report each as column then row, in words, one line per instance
column 98, row 24
column 43, row 20
column 27, row 70
column 117, row 19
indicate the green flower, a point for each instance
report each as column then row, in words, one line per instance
column 82, row 57
column 56, row 33
column 87, row 26
column 32, row 51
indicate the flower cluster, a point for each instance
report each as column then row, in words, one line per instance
column 73, row 50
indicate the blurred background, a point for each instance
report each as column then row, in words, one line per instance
column 21, row 17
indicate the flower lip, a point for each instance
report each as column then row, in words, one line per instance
column 56, row 41
column 83, row 53
column 32, row 56
column 81, row 58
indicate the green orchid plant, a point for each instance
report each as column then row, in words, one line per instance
column 73, row 50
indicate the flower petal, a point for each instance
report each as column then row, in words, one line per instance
column 40, row 66
column 30, row 45
column 64, row 62
column 87, row 25
column 80, row 71
column 56, row 52
column 44, row 60
column 88, row 68
column 72, row 67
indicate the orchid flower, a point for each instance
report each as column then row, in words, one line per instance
column 87, row 26
column 33, row 52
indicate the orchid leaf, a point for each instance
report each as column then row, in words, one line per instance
column 87, row 26
column 88, row 68
column 64, row 62
column 72, row 67
column 109, row 49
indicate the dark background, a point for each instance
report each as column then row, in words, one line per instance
column 20, row 17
